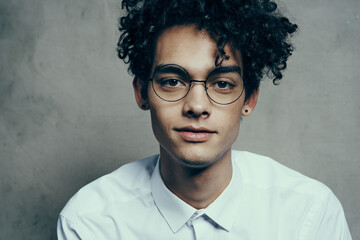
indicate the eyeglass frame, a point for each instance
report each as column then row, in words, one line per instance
column 236, row 68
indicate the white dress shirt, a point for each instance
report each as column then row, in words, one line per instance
column 264, row 200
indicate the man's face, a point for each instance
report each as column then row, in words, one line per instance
column 194, row 131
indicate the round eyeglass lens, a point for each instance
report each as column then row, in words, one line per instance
column 171, row 83
column 224, row 87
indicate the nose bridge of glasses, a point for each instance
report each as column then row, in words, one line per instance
column 197, row 81
column 199, row 93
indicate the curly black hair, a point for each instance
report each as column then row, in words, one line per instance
column 255, row 27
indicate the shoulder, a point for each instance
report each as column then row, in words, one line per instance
column 128, row 182
column 313, row 206
column 265, row 173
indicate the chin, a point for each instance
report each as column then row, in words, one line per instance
column 198, row 159
column 195, row 163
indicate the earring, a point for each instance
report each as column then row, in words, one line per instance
column 245, row 111
column 145, row 106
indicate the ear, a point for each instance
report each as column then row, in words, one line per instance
column 250, row 103
column 138, row 90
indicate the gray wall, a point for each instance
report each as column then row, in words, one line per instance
column 68, row 115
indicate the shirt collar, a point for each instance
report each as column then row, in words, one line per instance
column 223, row 210
column 174, row 210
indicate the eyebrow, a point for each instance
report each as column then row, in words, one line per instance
column 171, row 68
column 174, row 68
column 226, row 69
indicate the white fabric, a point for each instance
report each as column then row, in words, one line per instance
column 264, row 200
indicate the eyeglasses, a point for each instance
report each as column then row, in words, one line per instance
column 224, row 85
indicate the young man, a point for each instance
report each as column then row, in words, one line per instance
column 197, row 67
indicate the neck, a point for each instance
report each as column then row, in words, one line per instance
column 198, row 187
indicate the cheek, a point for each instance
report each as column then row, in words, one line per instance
column 157, row 119
column 155, row 106
column 158, row 125
column 231, row 114
column 232, row 118
column 162, row 116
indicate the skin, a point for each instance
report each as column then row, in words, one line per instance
column 196, row 171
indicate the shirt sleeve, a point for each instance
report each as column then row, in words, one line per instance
column 66, row 230
column 329, row 221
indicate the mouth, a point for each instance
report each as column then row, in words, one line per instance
column 195, row 135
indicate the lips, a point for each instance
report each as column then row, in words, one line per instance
column 193, row 134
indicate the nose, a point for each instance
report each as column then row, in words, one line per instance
column 196, row 103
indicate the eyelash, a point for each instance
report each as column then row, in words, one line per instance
column 164, row 82
column 228, row 85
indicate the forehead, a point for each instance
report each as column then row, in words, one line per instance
column 191, row 48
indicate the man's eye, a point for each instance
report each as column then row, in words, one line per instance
column 171, row 82
column 223, row 84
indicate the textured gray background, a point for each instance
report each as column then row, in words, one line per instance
column 68, row 115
